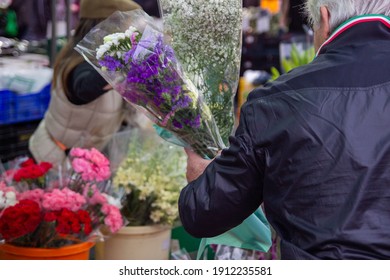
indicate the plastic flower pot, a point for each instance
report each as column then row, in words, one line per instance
column 71, row 252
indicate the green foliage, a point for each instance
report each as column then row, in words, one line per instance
column 297, row 59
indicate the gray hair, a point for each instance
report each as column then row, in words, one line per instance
column 341, row 10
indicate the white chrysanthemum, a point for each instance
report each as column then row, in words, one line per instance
column 101, row 51
column 113, row 37
column 115, row 44
column 130, row 31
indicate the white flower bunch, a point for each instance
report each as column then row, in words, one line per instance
column 204, row 33
column 117, row 44
column 206, row 37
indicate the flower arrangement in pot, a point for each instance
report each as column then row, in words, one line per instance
column 151, row 178
column 42, row 208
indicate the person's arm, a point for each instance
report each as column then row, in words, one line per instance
column 227, row 192
column 85, row 84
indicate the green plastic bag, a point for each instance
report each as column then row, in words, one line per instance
column 253, row 234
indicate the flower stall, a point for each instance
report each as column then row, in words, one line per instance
column 45, row 213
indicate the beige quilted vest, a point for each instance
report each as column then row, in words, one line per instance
column 89, row 125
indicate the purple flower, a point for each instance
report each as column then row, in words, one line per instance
column 153, row 79
column 128, row 55
column 182, row 103
column 177, row 124
column 110, row 63
column 194, row 123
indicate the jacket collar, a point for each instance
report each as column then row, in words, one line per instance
column 359, row 28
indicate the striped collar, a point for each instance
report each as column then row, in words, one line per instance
column 354, row 21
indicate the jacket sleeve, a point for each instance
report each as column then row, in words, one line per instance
column 85, row 84
column 227, row 192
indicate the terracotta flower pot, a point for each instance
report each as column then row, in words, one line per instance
column 71, row 252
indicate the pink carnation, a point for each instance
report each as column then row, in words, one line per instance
column 91, row 165
column 94, row 196
column 103, row 173
column 65, row 198
column 34, row 195
column 78, row 152
column 82, row 166
column 98, row 158
column 113, row 217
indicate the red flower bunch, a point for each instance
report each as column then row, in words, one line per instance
column 19, row 225
column 21, row 219
column 70, row 222
column 51, row 210
column 31, row 172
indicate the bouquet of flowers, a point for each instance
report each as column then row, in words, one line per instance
column 129, row 51
column 151, row 176
column 206, row 37
column 42, row 212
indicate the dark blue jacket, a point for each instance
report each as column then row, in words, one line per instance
column 314, row 147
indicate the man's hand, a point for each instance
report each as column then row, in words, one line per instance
column 195, row 165
column 107, row 87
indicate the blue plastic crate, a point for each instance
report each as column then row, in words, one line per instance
column 23, row 107
column 6, row 106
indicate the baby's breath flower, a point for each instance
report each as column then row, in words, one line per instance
column 206, row 37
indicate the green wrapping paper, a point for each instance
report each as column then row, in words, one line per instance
column 254, row 233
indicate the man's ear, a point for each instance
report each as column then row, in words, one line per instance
column 325, row 24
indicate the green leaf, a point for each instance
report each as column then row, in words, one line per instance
column 274, row 73
column 295, row 57
column 287, row 65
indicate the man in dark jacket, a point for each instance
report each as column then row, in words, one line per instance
column 313, row 146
